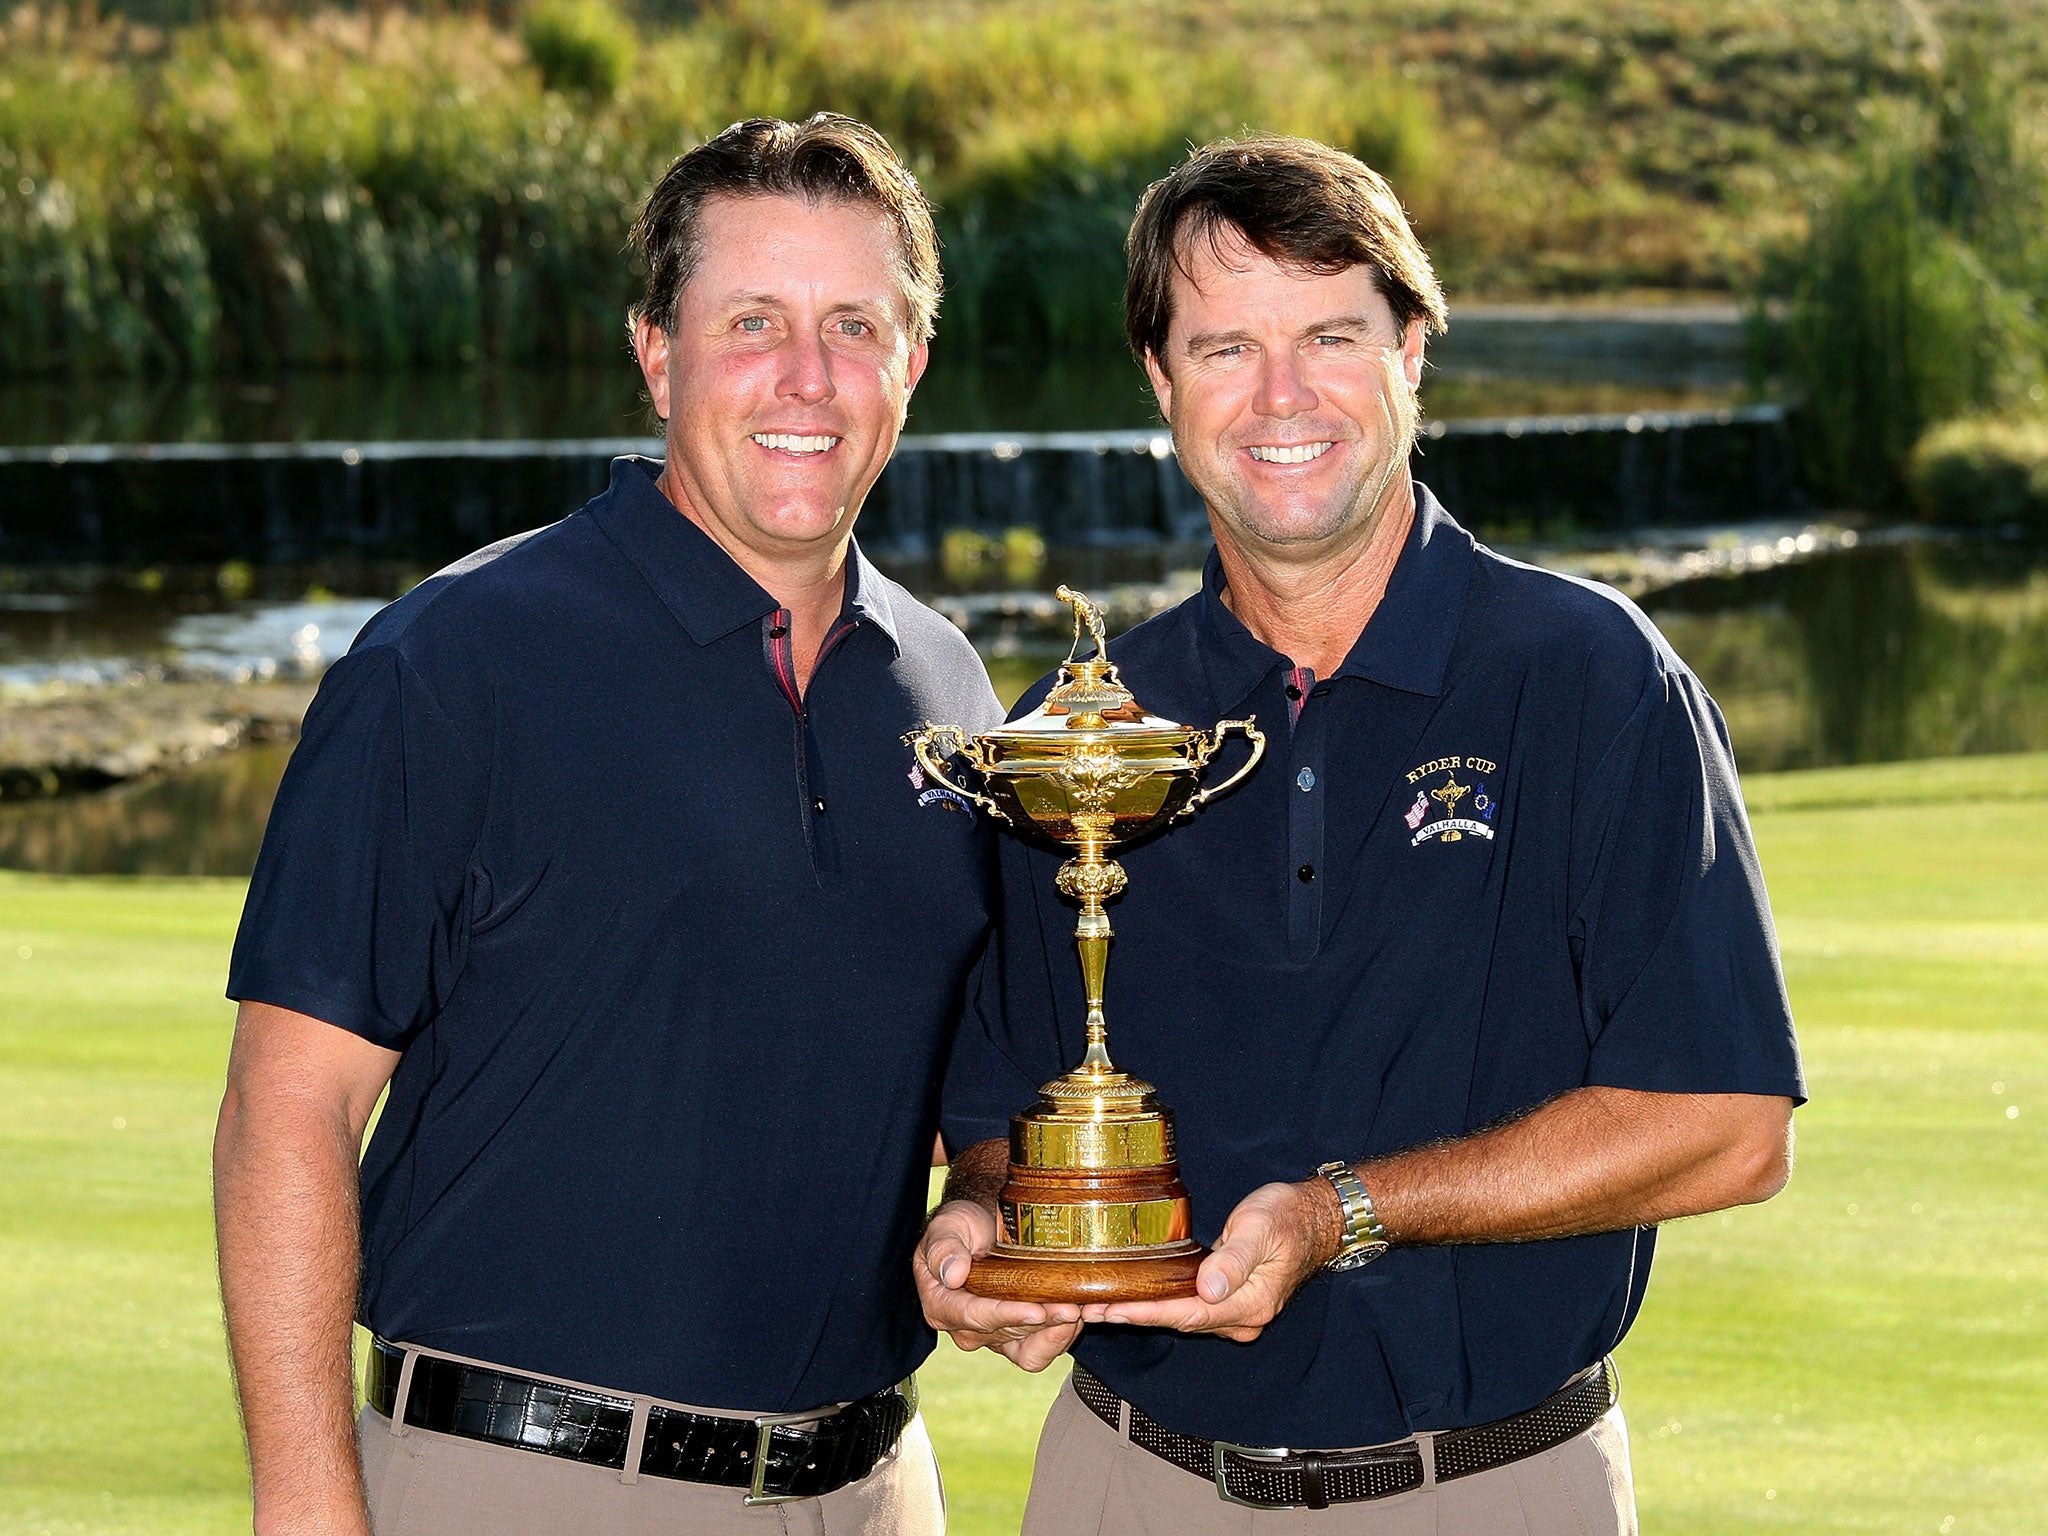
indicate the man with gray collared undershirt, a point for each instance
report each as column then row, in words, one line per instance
column 596, row 850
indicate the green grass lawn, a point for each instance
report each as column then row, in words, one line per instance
column 1867, row 1353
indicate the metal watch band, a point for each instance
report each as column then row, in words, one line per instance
column 1365, row 1239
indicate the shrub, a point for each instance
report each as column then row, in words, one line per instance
column 579, row 46
column 1985, row 473
column 1896, row 323
column 1914, row 297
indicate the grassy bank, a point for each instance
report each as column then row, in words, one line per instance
column 1866, row 1354
column 333, row 187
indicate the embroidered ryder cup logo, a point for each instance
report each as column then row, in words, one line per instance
column 937, row 794
column 1450, row 806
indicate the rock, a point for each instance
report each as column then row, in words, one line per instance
column 88, row 739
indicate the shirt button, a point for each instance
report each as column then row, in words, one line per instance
column 1306, row 874
column 777, row 631
column 1306, row 779
column 818, row 805
column 1293, row 692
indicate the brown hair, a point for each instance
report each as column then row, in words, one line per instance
column 826, row 157
column 1295, row 201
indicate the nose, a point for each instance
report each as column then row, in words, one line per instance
column 806, row 371
column 1283, row 385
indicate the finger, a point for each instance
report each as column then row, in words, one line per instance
column 1225, row 1271
column 955, row 1235
column 953, row 1310
column 1043, row 1347
column 1003, row 1340
column 1252, row 1307
column 1186, row 1314
column 944, row 1261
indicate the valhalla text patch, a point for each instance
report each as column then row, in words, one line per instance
column 1454, row 797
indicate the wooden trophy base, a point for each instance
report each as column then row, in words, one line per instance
column 1011, row 1274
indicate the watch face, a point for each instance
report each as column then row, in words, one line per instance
column 1357, row 1258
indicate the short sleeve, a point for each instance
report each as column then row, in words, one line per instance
column 1680, row 985
column 1008, row 1044
column 355, row 913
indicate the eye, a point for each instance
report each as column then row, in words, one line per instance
column 1331, row 341
column 754, row 324
column 852, row 327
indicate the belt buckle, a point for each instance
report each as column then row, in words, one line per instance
column 765, row 1425
column 1255, row 1453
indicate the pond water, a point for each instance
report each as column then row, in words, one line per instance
column 1891, row 649
column 1073, row 392
column 1877, row 654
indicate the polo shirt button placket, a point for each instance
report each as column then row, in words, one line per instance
column 809, row 766
column 1305, row 814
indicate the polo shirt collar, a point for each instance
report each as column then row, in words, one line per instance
column 867, row 595
column 702, row 585
column 1406, row 644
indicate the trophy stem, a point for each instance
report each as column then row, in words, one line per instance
column 1091, row 936
column 1091, row 878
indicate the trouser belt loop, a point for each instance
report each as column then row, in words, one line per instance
column 1425, row 1444
column 636, row 1439
column 398, row 1427
column 1313, row 1493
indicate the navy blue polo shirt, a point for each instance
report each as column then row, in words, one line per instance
column 1501, row 854
column 673, row 957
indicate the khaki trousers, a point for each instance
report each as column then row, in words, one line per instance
column 1091, row 1481
column 421, row 1483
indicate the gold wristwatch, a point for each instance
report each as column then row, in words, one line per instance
column 1364, row 1238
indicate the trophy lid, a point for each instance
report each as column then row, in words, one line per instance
column 1090, row 700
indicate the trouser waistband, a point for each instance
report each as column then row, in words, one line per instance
column 1272, row 1477
column 775, row 1457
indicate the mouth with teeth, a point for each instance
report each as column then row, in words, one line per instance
column 1292, row 453
column 793, row 442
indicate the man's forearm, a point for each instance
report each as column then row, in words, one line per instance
column 977, row 1173
column 1593, row 1160
column 285, row 1210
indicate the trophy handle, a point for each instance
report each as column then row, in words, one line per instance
column 1204, row 748
column 925, row 737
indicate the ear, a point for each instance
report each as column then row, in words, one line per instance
column 1411, row 353
column 920, row 359
column 1162, row 383
column 651, row 347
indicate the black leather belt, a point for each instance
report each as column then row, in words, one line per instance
column 1277, row 1478
column 771, row 1456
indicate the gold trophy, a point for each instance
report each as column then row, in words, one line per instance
column 1093, row 1208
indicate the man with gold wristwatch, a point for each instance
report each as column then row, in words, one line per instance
column 1465, row 990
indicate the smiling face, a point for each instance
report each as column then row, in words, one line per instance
column 1291, row 395
column 786, row 379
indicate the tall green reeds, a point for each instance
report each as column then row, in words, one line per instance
column 1918, row 294
column 395, row 188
